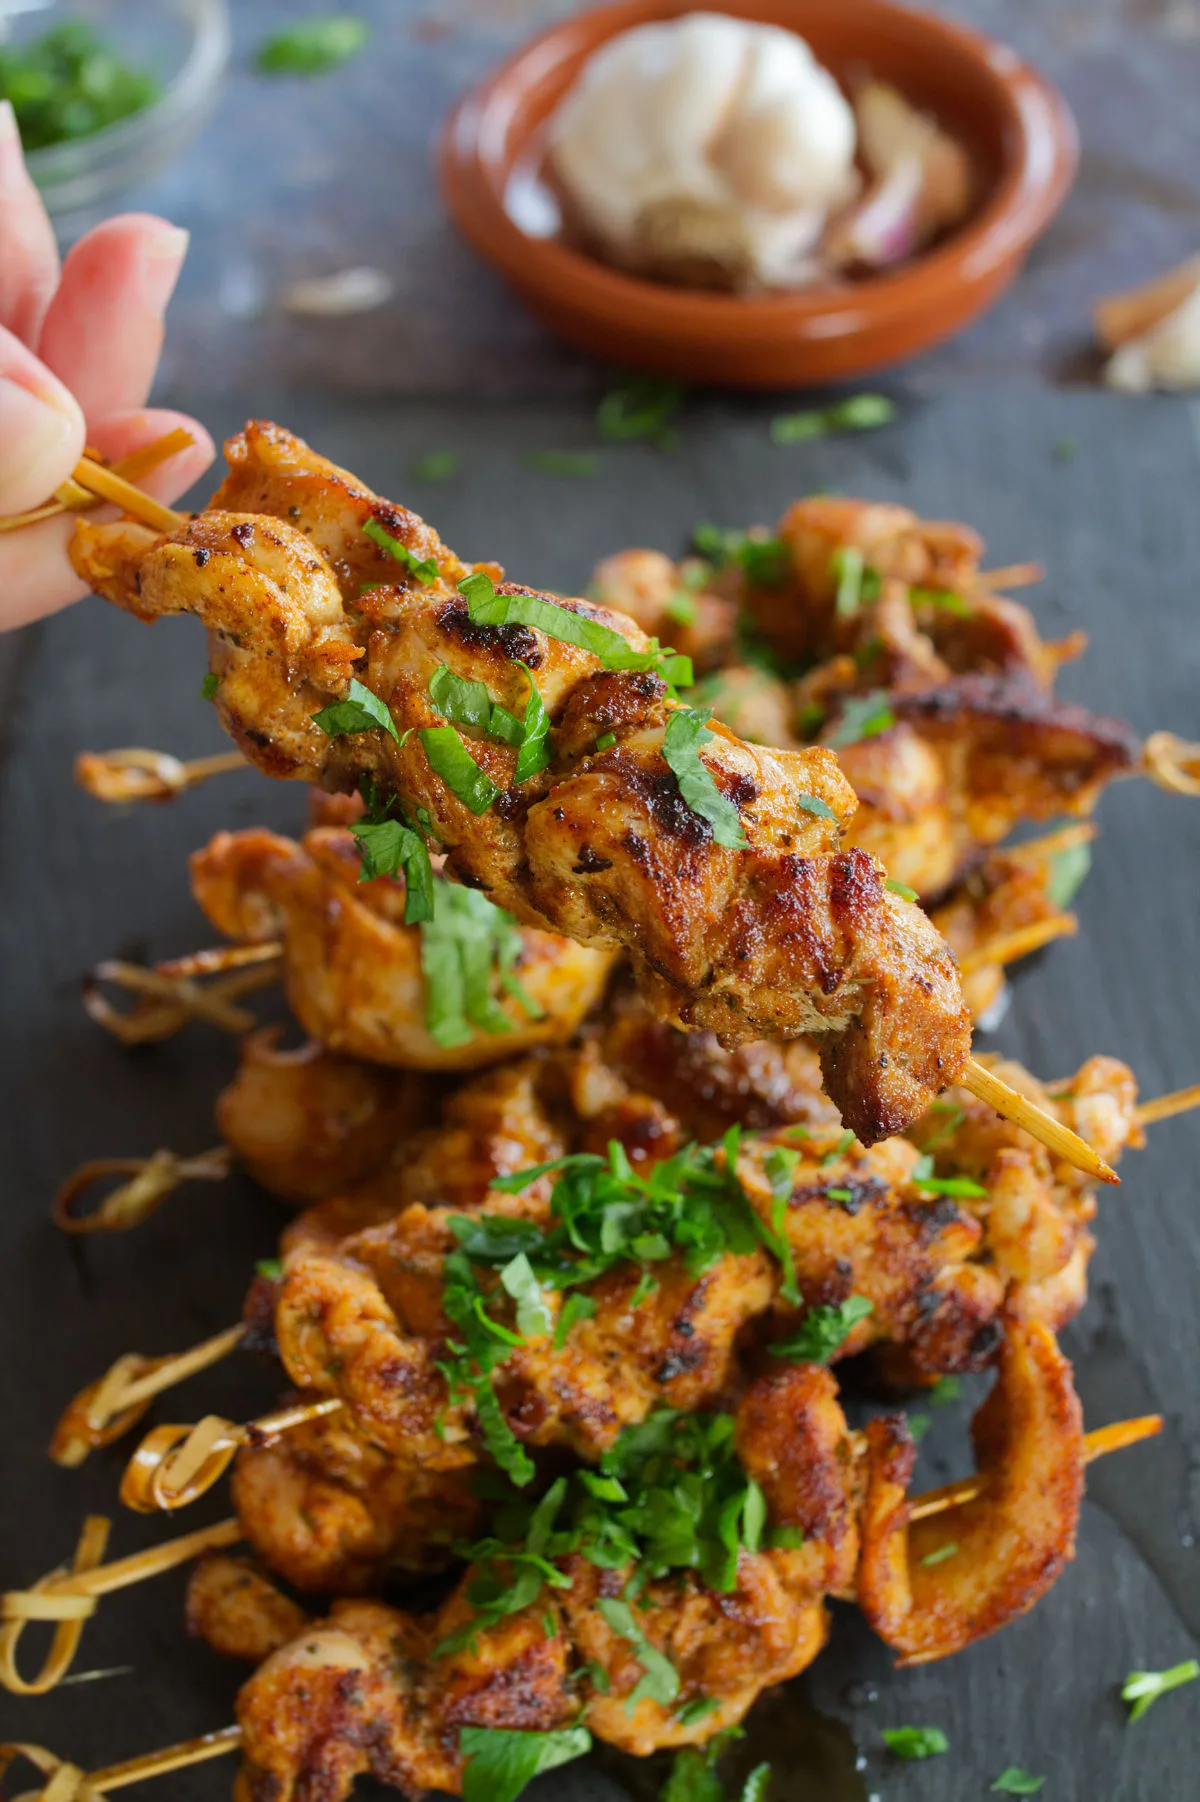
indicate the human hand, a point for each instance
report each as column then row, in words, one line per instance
column 78, row 351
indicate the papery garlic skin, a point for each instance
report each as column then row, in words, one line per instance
column 706, row 148
column 1167, row 356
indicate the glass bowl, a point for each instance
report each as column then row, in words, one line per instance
column 183, row 43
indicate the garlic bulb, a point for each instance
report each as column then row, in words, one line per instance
column 1154, row 332
column 706, row 149
column 920, row 182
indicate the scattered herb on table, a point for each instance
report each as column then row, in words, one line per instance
column 1016, row 1782
column 915, row 1742
column 314, row 46
column 1065, row 450
column 641, row 408
column 436, row 466
column 858, row 413
column 1143, row 1688
column 209, row 686
column 69, row 83
column 563, row 463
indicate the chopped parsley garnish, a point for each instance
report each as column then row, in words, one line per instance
column 68, row 83
column 902, row 889
column 915, row 1742
column 390, row 846
column 468, row 703
column 1067, row 873
column 580, row 464
column 945, row 598
column 659, row 1681
column 955, row 1117
column 680, row 608
column 534, row 752
column 814, row 804
column 944, row 1391
column 576, row 1308
column 839, row 1150
column 606, row 741
column 779, row 1166
column 501, row 1761
column 466, row 947
column 693, row 1775
column 436, row 466
column 488, row 608
column 824, row 1330
column 763, row 560
column 941, row 1554
column 453, row 764
column 425, row 569
column 270, row 1268
column 1016, row 1782
column 643, row 407
column 857, row 582
column 864, row 716
column 314, row 46
column 960, row 1188
column 859, row 413
column 686, row 731
column 209, row 686
column 1143, row 1688
column 361, row 711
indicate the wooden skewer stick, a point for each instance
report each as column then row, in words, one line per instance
column 73, row 496
column 1025, row 1113
column 174, row 1465
column 107, row 1408
column 1095, row 1445
column 135, row 773
column 1007, row 947
column 152, row 1179
column 106, row 482
column 168, row 994
column 1165, row 1107
column 1066, row 838
column 1171, row 762
column 67, row 1783
column 68, row 1598
column 1012, row 575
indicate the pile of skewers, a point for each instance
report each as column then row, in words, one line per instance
column 638, row 986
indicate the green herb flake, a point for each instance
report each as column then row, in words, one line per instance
column 436, row 466
column 314, row 46
column 839, row 1150
column 915, row 1742
column 945, row 598
column 361, row 711
column 941, row 1554
column 1143, row 1688
column 424, row 569
column 959, row 1188
column 641, row 408
column 469, row 947
column 533, row 1316
column 902, row 889
column 824, row 1330
column 864, row 716
column 857, row 583
column 785, row 1539
column 680, row 608
column 1067, row 873
column 944, row 1391
column 918, row 1426
column 660, row 1680
column 388, row 847
column 858, row 413
column 270, row 1268
column 209, row 686
column 1016, row 1782
column 687, row 729
column 763, row 560
column 698, row 1709
column 814, row 805
column 577, row 464
column 534, row 752
column 606, row 741
column 755, row 1787
column 68, row 83
column 501, row 1761
column 453, row 764
column 1065, row 450
column 489, row 608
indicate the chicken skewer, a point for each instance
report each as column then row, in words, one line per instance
column 887, row 1008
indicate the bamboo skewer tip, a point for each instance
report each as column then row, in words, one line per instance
column 1056, row 1137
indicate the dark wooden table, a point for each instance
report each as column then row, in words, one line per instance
column 271, row 193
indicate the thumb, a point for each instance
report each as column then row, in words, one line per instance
column 42, row 430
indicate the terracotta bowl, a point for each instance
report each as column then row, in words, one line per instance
column 1015, row 125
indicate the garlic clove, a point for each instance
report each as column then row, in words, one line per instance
column 886, row 226
column 1165, row 356
column 890, row 130
column 1134, row 311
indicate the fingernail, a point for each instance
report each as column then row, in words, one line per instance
column 11, row 161
column 40, row 442
column 162, row 259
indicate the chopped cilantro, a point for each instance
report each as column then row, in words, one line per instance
column 1067, row 873
column 488, row 608
column 858, row 413
column 534, row 753
column 390, row 848
column 960, row 1188
column 918, row 1426
column 642, row 407
column 693, row 1775
column 453, row 764
column 361, row 711
column 687, row 729
column 857, row 582
column 271, row 1268
column 501, row 1761
column 902, row 889
column 942, row 1553
column 467, row 946
column 606, row 741
column 785, row 1539
column 425, row 569
column 436, row 466
column 580, row 464
column 864, row 716
column 660, row 1680
column 209, row 686
column 68, row 83
column 839, row 1150
column 779, row 1166
column 680, row 608
column 314, row 46
column 915, row 1742
column 823, row 1331
column 1016, row 1782
column 698, row 1709
column 944, row 1391
column 945, row 598
column 763, row 560
column 1142, row 1688
column 574, row 1309
column 813, row 804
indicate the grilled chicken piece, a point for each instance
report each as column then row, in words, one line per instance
column 1011, row 889
column 671, row 602
column 790, row 936
column 1010, row 1544
column 352, row 968
column 326, row 1509
column 238, row 1611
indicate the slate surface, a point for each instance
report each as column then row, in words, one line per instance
column 1119, row 530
